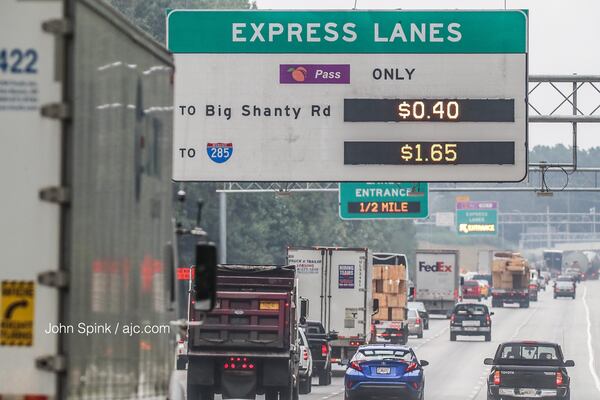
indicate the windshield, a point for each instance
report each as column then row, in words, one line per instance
column 315, row 329
column 473, row 309
column 416, row 305
column 564, row 279
column 525, row 353
column 564, row 284
column 384, row 354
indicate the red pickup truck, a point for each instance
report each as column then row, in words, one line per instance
column 248, row 344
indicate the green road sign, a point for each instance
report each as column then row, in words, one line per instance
column 477, row 218
column 447, row 31
column 384, row 200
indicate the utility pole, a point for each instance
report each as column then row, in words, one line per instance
column 222, row 227
column 548, row 227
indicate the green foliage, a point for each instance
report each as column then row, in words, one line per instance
column 261, row 225
column 149, row 15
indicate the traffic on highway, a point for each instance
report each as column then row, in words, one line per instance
column 299, row 200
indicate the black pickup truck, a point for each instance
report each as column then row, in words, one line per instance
column 320, row 350
column 528, row 370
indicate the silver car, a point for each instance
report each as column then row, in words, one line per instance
column 415, row 323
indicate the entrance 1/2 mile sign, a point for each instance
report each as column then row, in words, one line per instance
column 383, row 200
column 349, row 95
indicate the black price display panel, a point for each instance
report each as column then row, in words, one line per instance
column 429, row 153
column 429, row 110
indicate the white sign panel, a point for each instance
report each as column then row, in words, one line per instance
column 360, row 97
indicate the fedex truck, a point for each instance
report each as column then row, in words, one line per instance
column 337, row 283
column 436, row 280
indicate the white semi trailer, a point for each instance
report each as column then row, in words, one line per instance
column 337, row 283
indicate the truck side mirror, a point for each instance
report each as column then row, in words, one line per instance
column 332, row 336
column 205, row 277
column 569, row 363
column 375, row 306
column 303, row 310
column 488, row 361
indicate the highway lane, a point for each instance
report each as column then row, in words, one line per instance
column 456, row 370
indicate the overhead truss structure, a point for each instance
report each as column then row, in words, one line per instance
column 571, row 99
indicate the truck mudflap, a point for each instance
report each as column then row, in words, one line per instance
column 201, row 371
column 238, row 384
column 276, row 373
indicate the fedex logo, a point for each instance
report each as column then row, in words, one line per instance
column 437, row 267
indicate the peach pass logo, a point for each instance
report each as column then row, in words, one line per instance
column 314, row 73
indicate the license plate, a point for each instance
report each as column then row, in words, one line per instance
column 470, row 328
column 268, row 305
column 527, row 392
column 471, row 323
column 383, row 370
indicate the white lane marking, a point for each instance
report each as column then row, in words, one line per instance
column 524, row 323
column 332, row 395
column 437, row 335
column 591, row 363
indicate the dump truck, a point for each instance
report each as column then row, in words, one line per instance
column 390, row 294
column 510, row 279
column 337, row 282
column 247, row 345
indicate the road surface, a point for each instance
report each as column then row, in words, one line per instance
column 456, row 370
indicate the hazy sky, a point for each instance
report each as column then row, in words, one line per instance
column 563, row 39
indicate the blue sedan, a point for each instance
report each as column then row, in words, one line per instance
column 380, row 370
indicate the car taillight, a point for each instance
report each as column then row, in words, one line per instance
column 305, row 354
column 418, row 321
column 559, row 378
column 411, row 367
column 488, row 319
column 452, row 318
column 355, row 365
column 497, row 379
column 323, row 350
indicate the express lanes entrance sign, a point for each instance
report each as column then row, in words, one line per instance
column 349, row 95
column 477, row 218
column 383, row 200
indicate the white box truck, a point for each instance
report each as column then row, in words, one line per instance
column 337, row 283
column 85, row 160
column 436, row 280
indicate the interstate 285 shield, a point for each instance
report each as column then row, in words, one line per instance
column 219, row 152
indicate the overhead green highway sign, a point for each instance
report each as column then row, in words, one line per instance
column 477, row 218
column 383, row 200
